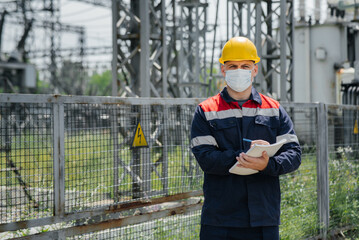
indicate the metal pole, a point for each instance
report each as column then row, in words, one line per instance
column 269, row 46
column 258, row 38
column 322, row 169
column 114, row 130
column 181, row 55
column 291, row 49
column 203, row 69
column 283, row 51
column 240, row 17
column 213, row 48
column 114, row 135
column 165, row 150
column 145, row 48
column 59, row 159
column 53, row 66
column 310, row 61
column 164, row 50
column 175, row 64
column 7, row 139
column 183, row 146
column 146, row 152
column 115, row 17
column 227, row 20
column 145, row 117
column 233, row 20
column 249, row 19
column 2, row 21
column 197, row 57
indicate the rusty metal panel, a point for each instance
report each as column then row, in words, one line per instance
column 106, row 211
column 117, row 223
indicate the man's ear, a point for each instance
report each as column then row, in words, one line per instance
column 223, row 71
column 255, row 70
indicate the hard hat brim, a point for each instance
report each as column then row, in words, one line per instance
column 222, row 61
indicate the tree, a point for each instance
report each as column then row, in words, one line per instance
column 72, row 78
column 100, row 84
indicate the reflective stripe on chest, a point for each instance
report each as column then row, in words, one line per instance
column 239, row 113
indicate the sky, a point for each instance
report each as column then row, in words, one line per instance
column 97, row 22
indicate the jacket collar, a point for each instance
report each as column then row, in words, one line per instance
column 254, row 96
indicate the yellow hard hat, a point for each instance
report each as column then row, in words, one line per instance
column 239, row 49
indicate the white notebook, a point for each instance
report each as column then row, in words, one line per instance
column 256, row 151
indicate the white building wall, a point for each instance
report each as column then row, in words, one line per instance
column 316, row 50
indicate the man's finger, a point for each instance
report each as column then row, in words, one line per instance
column 259, row 142
column 242, row 160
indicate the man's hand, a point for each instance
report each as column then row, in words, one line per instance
column 256, row 163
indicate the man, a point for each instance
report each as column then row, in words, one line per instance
column 238, row 206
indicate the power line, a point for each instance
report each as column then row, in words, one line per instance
column 72, row 51
column 49, row 24
column 100, row 3
column 92, row 19
column 79, row 12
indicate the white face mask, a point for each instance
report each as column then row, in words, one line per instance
column 239, row 79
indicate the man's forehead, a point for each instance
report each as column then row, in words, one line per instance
column 239, row 63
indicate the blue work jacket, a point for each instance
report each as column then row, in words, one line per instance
column 218, row 128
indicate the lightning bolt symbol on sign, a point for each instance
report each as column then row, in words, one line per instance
column 139, row 139
column 139, row 134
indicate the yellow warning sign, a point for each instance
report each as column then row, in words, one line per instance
column 355, row 131
column 139, row 139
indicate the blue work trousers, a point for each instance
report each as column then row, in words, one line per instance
column 228, row 233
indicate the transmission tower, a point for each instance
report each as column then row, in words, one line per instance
column 192, row 59
column 170, row 56
column 36, row 17
column 141, row 47
column 183, row 50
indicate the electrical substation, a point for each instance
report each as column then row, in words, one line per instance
column 97, row 100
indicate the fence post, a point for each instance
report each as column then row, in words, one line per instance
column 59, row 159
column 322, row 169
column 146, row 152
column 114, row 134
column 7, row 140
column 165, row 150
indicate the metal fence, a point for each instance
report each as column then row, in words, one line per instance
column 70, row 169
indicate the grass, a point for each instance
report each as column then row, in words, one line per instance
column 299, row 197
column 344, row 191
column 299, row 214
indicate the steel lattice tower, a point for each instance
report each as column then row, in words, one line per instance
column 160, row 46
column 41, row 19
column 154, row 55
column 192, row 66
column 270, row 24
column 140, row 48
